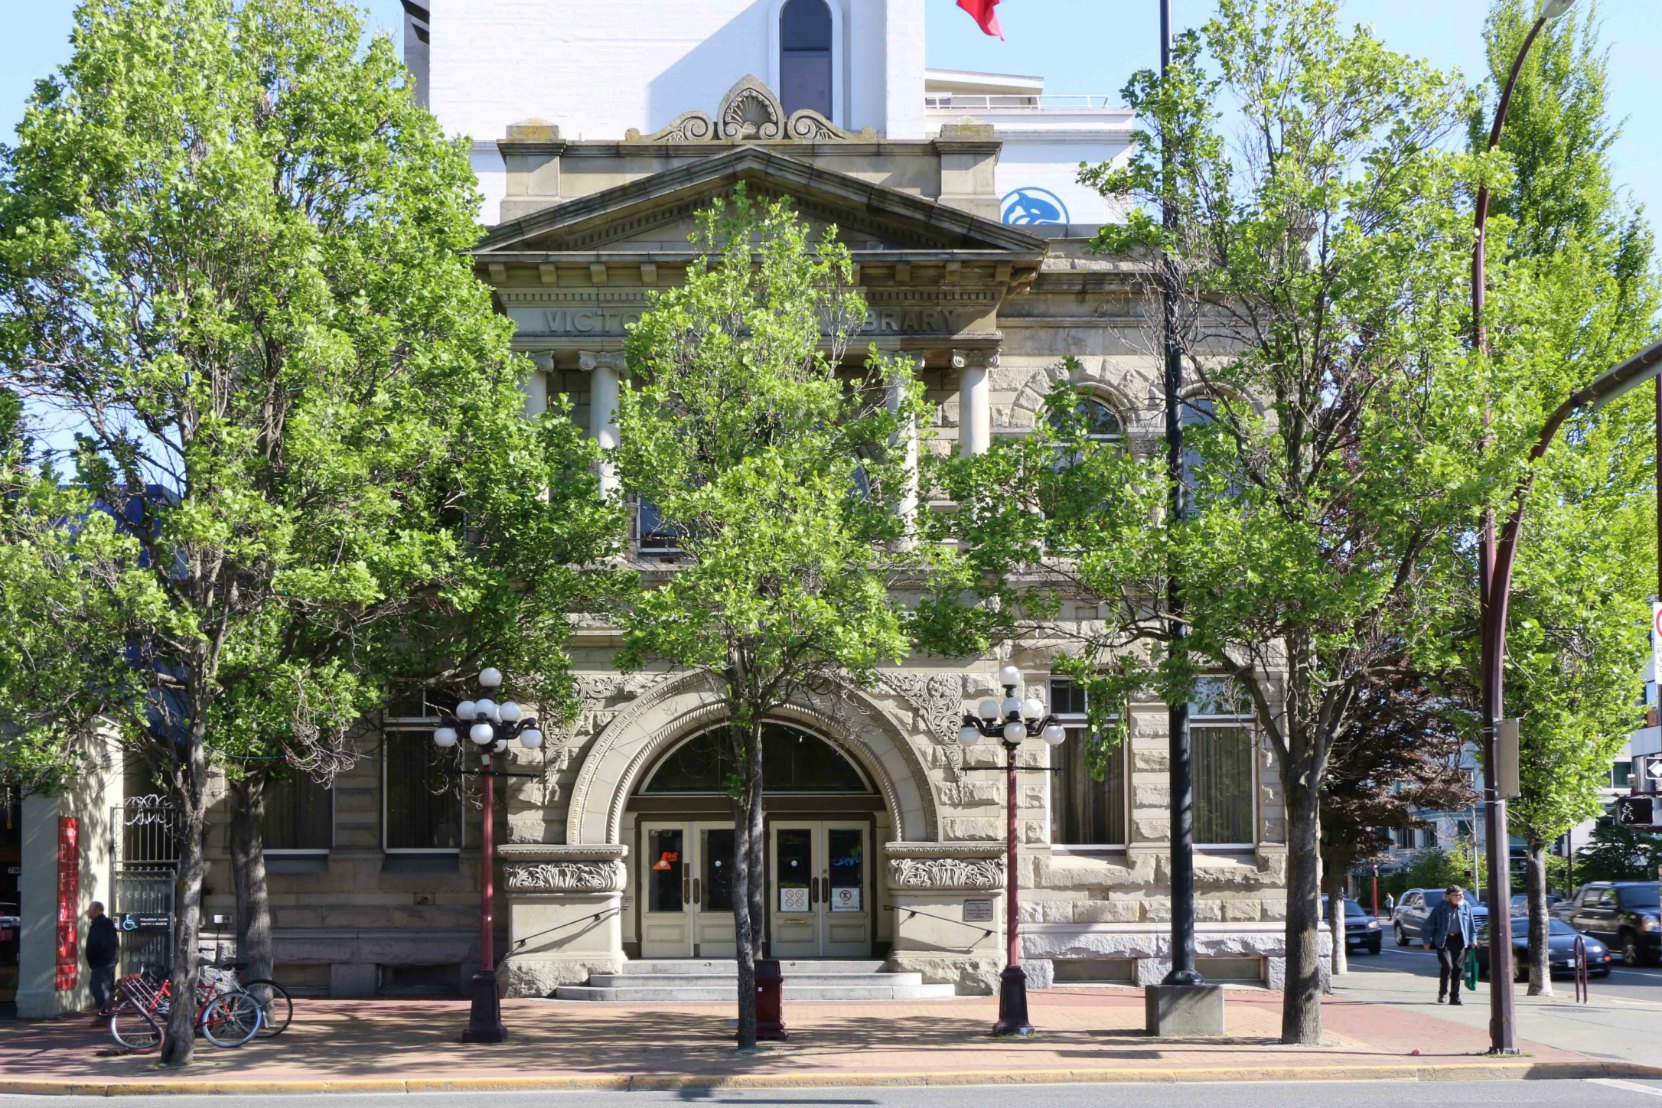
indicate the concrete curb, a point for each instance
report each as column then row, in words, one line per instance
column 1472, row 1071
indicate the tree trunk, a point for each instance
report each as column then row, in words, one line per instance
column 1535, row 886
column 1336, row 916
column 189, row 792
column 748, row 877
column 248, row 876
column 758, row 883
column 1301, row 1018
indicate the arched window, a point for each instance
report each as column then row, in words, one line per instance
column 1102, row 423
column 793, row 761
column 805, row 56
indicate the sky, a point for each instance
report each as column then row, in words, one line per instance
column 1085, row 46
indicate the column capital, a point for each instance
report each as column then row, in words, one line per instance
column 975, row 359
column 591, row 360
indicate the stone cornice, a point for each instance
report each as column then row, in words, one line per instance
column 562, row 852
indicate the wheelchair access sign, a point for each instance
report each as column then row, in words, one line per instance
column 144, row 921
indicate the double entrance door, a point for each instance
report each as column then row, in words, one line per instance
column 818, row 891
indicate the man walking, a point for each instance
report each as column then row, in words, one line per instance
column 102, row 949
column 1449, row 930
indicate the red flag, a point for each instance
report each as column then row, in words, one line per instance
column 982, row 12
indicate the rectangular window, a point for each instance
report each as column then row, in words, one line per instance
column 1621, row 773
column 1083, row 810
column 423, row 805
column 299, row 816
column 653, row 534
column 1221, row 745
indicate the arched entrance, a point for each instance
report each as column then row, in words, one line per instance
column 821, row 821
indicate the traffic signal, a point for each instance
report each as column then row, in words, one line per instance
column 1636, row 811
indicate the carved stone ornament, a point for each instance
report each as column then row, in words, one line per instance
column 935, row 866
column 938, row 697
column 749, row 111
column 566, row 877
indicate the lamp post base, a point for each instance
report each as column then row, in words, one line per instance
column 1183, row 1011
column 484, row 1024
column 1012, row 1003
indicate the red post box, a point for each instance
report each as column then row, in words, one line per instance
column 770, row 989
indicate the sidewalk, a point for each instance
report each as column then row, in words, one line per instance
column 1085, row 1035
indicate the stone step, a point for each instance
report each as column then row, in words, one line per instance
column 728, row 967
column 792, row 980
column 638, row 994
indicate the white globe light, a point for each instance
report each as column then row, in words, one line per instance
column 969, row 735
column 445, row 737
column 531, row 739
column 1010, row 707
column 1009, row 675
column 509, row 711
column 500, row 746
column 486, row 707
column 1014, row 732
column 1054, row 734
column 490, row 677
column 1032, row 708
column 987, row 709
column 464, row 710
column 482, row 733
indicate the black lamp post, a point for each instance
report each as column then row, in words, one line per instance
column 1010, row 722
column 490, row 727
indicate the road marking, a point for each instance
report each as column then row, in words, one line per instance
column 1632, row 1086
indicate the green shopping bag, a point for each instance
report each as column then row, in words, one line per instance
column 1470, row 974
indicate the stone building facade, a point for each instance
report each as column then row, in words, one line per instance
column 885, row 835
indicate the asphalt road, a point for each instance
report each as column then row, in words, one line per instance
column 1622, row 1021
column 1383, row 1094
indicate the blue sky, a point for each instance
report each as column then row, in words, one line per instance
column 1085, row 46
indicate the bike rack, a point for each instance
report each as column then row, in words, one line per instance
column 1581, row 991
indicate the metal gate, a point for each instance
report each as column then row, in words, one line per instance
column 145, row 852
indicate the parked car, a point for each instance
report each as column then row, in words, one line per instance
column 1624, row 914
column 1408, row 921
column 1560, row 949
column 1520, row 902
column 1361, row 929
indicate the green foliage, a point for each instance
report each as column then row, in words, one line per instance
column 1573, row 292
column 232, row 254
column 1618, row 854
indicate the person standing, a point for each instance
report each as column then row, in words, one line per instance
column 103, row 948
column 1449, row 930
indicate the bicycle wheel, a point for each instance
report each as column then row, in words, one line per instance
column 134, row 1029
column 231, row 1019
column 276, row 1009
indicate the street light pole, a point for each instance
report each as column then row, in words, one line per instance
column 1010, row 722
column 489, row 726
column 1492, row 610
column 1179, row 767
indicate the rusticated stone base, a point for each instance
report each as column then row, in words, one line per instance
column 969, row 974
column 539, row 977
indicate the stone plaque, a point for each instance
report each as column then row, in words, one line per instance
column 978, row 910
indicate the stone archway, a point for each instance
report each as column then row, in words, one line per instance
column 634, row 740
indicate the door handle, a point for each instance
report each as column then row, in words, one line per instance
column 686, row 886
column 698, row 895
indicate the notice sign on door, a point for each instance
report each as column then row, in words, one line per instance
column 845, row 900
column 793, row 900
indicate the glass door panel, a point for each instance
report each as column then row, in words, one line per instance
column 713, row 892
column 666, row 923
column 792, row 901
column 847, row 921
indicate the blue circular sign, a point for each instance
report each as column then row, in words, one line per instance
column 1031, row 205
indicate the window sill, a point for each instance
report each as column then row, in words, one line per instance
column 1087, row 849
column 422, row 862
column 297, row 862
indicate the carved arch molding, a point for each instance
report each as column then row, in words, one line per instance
column 750, row 111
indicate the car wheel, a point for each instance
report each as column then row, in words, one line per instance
column 1374, row 947
column 1402, row 936
column 1631, row 954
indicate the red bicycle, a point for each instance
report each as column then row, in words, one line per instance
column 225, row 1015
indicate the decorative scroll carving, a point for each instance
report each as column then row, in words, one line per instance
column 749, row 111
column 566, row 877
column 938, row 696
column 946, row 873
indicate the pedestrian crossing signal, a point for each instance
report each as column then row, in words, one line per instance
column 1636, row 811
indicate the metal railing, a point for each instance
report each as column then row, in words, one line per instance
column 1019, row 102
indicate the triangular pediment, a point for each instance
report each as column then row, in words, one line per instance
column 655, row 214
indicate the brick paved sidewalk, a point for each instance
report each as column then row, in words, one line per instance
column 1085, row 1035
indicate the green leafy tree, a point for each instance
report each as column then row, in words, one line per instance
column 773, row 463
column 231, row 253
column 1318, row 255
column 1574, row 292
column 1618, row 854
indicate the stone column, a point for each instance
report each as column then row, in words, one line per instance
column 906, row 440
column 975, row 408
column 536, row 385
column 603, row 369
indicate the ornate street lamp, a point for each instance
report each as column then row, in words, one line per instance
column 1009, row 722
column 490, row 727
